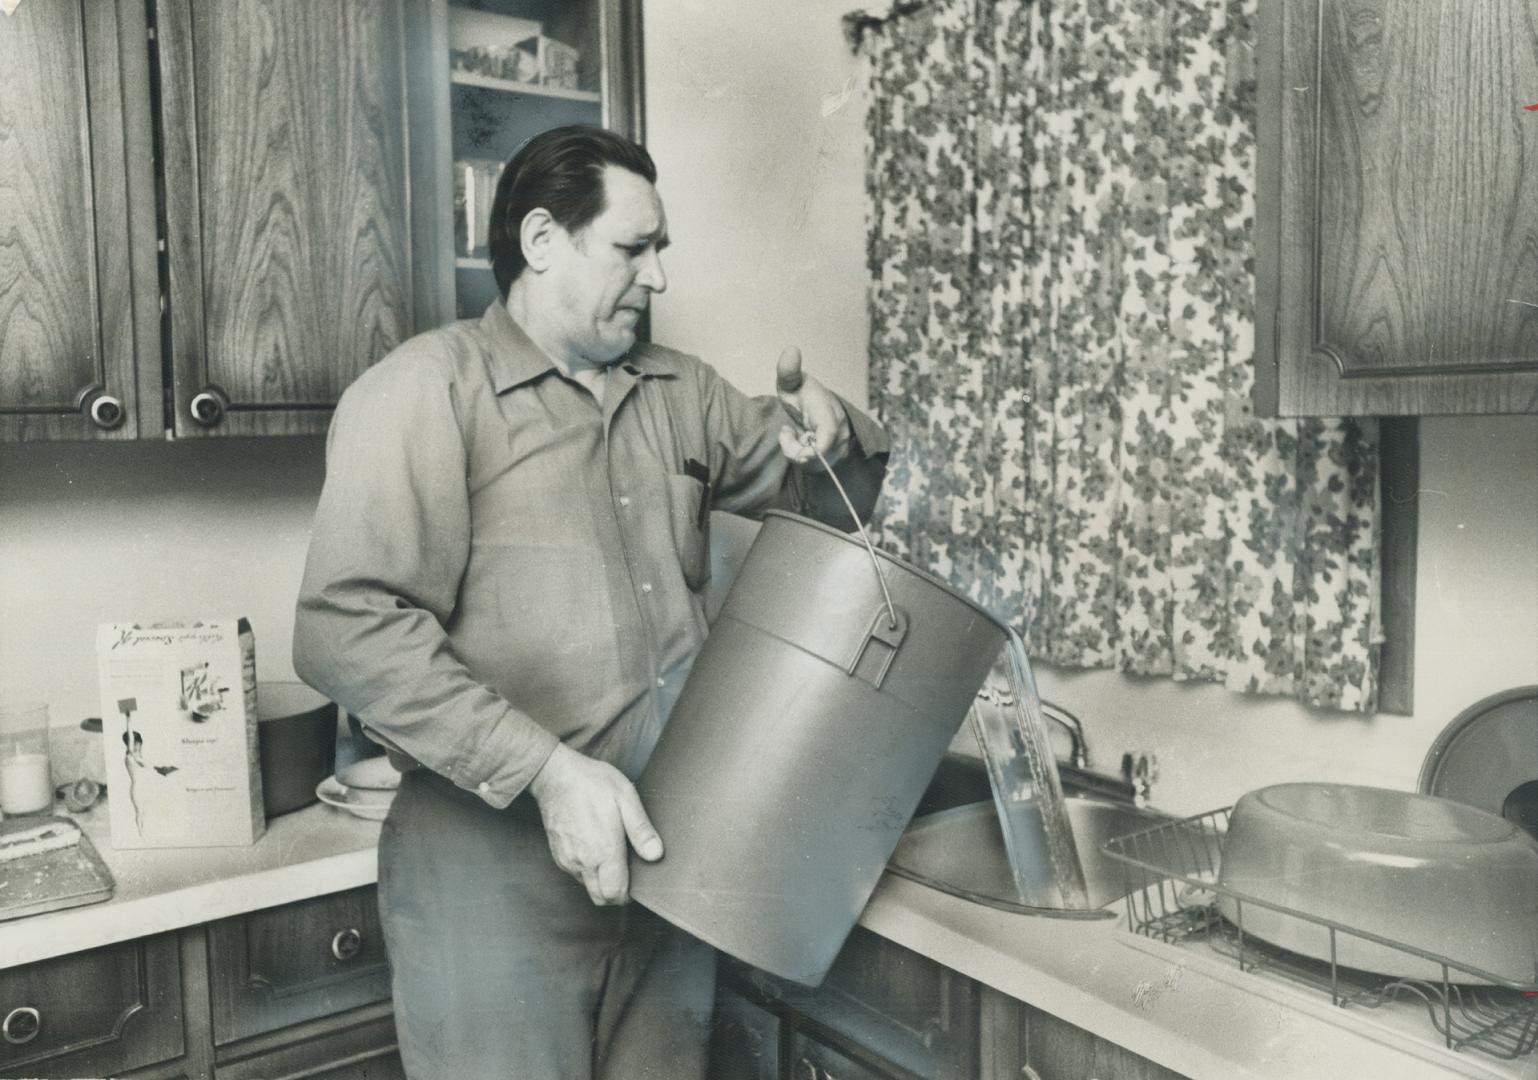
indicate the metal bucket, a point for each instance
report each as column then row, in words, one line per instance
column 815, row 716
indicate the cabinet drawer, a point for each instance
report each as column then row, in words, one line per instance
column 918, row 1014
column 93, row 1013
column 815, row 1060
column 273, row 968
column 744, row 1040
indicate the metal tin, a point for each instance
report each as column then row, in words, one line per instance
column 807, row 731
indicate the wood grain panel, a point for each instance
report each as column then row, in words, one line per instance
column 130, row 1018
column 274, row 968
column 291, row 263
column 1056, row 1048
column 65, row 329
column 1428, row 226
column 1407, row 249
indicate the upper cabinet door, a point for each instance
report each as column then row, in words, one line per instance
column 66, row 321
column 1397, row 231
column 289, row 204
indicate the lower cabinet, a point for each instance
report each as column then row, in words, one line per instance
column 275, row 968
column 299, row 991
column 1022, row 1042
column 103, row 1012
column 886, row 1013
column 882, row 1012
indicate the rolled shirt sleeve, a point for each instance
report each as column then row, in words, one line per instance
column 388, row 551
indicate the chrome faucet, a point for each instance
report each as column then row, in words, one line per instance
column 1079, row 755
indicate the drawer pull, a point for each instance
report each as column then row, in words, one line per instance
column 106, row 412
column 21, row 1025
column 208, row 406
column 347, row 944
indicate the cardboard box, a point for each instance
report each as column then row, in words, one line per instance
column 179, row 734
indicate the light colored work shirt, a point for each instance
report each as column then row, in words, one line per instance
column 500, row 561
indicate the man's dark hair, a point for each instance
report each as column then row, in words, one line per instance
column 562, row 171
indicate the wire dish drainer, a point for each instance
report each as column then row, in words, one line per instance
column 1173, row 894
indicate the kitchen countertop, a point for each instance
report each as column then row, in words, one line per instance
column 1187, row 1012
column 305, row 853
column 1194, row 1013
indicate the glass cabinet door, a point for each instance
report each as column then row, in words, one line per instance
column 516, row 68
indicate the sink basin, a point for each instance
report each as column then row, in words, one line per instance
column 960, row 851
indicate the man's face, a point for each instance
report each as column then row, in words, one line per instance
column 607, row 271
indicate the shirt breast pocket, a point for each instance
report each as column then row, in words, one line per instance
column 690, row 518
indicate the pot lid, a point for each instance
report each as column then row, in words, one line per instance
column 1488, row 757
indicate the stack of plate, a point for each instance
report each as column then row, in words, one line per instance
column 364, row 788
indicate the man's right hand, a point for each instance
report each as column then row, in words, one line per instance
column 590, row 809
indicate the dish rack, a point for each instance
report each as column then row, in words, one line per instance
column 1172, row 896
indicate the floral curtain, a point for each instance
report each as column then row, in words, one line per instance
column 1061, row 211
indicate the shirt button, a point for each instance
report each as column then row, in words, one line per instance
column 661, row 681
column 624, row 500
column 646, row 586
column 483, row 787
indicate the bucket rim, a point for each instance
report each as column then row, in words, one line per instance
column 901, row 564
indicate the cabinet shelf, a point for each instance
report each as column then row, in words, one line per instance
column 508, row 86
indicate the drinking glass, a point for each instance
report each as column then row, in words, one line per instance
column 26, row 786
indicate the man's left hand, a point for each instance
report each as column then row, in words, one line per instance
column 818, row 416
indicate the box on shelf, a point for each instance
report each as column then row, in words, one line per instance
column 558, row 63
column 179, row 732
column 475, row 186
column 504, row 47
column 484, row 43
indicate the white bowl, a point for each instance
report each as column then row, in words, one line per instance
column 369, row 803
column 1430, row 873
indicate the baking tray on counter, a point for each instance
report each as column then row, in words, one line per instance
column 51, row 880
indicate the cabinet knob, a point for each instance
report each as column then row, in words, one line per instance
column 106, row 411
column 347, row 944
column 207, row 407
column 21, row 1025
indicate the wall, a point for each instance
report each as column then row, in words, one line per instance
column 764, row 198
column 140, row 532
column 764, row 192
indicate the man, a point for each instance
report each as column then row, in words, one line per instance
column 503, row 586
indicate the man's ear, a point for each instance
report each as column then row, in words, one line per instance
column 537, row 235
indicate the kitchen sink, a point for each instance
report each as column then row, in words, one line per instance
column 957, row 846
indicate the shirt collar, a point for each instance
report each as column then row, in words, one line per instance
column 513, row 359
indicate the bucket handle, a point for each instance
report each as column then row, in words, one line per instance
column 809, row 439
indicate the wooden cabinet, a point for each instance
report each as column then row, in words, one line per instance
column 212, row 214
column 1020, row 1040
column 67, row 319
column 295, row 991
column 1397, row 225
column 883, row 1011
column 278, row 967
column 744, row 1039
column 813, row 1059
column 289, row 204
column 95, row 1013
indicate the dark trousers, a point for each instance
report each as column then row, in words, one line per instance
column 502, row 966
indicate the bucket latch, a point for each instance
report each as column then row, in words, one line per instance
column 873, row 659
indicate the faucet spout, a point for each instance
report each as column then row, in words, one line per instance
column 1079, row 756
